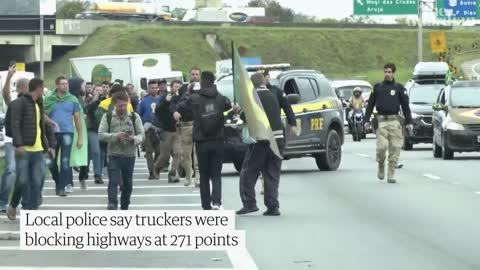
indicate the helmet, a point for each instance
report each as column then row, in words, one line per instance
column 357, row 91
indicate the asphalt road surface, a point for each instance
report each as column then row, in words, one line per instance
column 345, row 219
column 471, row 69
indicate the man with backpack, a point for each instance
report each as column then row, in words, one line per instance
column 207, row 107
column 123, row 131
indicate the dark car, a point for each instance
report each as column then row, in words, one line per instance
column 456, row 120
column 260, row 20
column 319, row 116
column 421, row 97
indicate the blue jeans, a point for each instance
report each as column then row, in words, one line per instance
column 95, row 153
column 30, row 173
column 65, row 174
column 120, row 169
column 8, row 177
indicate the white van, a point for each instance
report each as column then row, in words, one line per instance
column 428, row 73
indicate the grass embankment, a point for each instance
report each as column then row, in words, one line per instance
column 339, row 53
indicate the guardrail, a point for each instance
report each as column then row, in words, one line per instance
column 31, row 25
column 25, row 24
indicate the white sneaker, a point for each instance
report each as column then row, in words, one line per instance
column 216, row 207
column 68, row 189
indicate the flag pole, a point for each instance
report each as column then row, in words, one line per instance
column 233, row 74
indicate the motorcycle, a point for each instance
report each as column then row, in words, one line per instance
column 358, row 132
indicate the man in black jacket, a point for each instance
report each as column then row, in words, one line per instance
column 29, row 139
column 169, row 139
column 208, row 106
column 282, row 101
column 261, row 159
column 194, row 79
column 94, row 150
column 287, row 110
column 388, row 96
column 185, row 131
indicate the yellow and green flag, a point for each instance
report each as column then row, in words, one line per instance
column 245, row 94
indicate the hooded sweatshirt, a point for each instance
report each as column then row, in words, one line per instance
column 193, row 105
column 75, row 88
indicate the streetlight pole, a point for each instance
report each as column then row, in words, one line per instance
column 420, row 31
column 41, row 49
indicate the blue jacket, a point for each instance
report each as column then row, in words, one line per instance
column 146, row 108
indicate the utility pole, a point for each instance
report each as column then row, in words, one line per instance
column 41, row 48
column 420, row 31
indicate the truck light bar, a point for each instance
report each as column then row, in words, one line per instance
column 283, row 66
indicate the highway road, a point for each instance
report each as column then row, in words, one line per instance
column 346, row 219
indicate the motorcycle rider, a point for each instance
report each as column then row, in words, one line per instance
column 356, row 102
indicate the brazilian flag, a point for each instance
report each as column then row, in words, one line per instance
column 448, row 77
column 245, row 94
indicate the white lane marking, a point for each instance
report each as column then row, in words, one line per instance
column 106, row 182
column 9, row 232
column 8, row 248
column 50, row 205
column 3, row 217
column 240, row 259
column 99, row 268
column 362, row 155
column 132, row 196
column 477, row 192
column 134, row 187
column 431, row 176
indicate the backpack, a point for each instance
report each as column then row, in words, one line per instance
column 133, row 117
column 211, row 118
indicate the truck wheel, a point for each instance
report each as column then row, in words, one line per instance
column 238, row 165
column 437, row 150
column 331, row 158
column 447, row 152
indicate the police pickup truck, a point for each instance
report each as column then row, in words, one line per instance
column 318, row 112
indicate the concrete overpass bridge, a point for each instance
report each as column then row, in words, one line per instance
column 24, row 45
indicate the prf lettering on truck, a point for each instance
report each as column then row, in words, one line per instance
column 316, row 124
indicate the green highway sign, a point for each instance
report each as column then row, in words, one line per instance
column 385, row 7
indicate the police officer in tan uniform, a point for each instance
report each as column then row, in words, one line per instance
column 388, row 96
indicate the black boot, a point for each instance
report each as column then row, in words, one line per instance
column 272, row 212
column 246, row 210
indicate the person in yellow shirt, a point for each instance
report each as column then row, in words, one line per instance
column 356, row 102
column 28, row 133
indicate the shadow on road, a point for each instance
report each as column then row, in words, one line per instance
column 466, row 158
column 419, row 149
column 284, row 172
